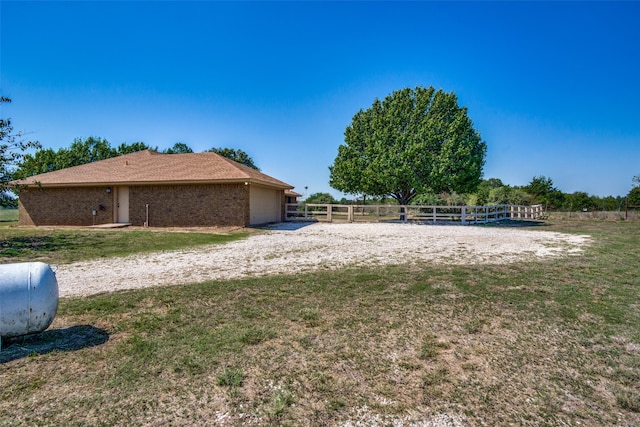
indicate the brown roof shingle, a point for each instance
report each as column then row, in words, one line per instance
column 150, row 167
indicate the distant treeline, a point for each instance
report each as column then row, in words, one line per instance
column 494, row 192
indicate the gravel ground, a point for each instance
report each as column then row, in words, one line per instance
column 290, row 248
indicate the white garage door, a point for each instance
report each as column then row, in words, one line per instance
column 264, row 205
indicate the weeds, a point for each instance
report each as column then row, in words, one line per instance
column 231, row 377
column 255, row 336
column 431, row 347
column 628, row 399
column 310, row 316
column 278, row 404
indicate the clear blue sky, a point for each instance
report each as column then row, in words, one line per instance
column 552, row 87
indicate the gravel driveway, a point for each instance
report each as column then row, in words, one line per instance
column 289, row 248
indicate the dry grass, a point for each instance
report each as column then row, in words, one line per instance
column 546, row 343
column 631, row 215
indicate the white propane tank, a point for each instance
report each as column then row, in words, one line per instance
column 28, row 298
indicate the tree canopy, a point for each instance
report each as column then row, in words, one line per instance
column 80, row 152
column 544, row 192
column 178, row 148
column 633, row 198
column 236, row 155
column 321, row 198
column 12, row 151
column 414, row 141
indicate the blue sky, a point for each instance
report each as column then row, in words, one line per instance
column 552, row 87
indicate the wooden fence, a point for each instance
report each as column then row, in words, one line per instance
column 450, row 214
column 627, row 207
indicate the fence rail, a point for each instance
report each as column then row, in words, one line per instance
column 368, row 213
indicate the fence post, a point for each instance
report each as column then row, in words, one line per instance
column 463, row 215
column 329, row 212
column 350, row 213
column 305, row 211
column 626, row 209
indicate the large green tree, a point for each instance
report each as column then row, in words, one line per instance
column 12, row 151
column 414, row 141
column 236, row 155
column 83, row 151
column 80, row 152
column 542, row 190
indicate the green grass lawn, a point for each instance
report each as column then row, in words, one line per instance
column 8, row 216
column 553, row 342
column 62, row 246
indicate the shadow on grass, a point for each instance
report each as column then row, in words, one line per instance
column 507, row 223
column 68, row 339
column 28, row 245
column 288, row 225
column 512, row 223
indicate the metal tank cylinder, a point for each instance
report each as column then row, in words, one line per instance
column 28, row 298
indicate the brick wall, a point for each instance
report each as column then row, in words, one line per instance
column 65, row 206
column 169, row 205
column 190, row 205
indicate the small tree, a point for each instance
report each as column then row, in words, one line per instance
column 633, row 198
column 507, row 195
column 414, row 141
column 12, row 151
column 579, row 201
column 485, row 187
column 542, row 190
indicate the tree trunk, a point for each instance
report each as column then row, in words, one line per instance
column 404, row 198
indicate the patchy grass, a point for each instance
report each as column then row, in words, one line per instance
column 62, row 246
column 543, row 343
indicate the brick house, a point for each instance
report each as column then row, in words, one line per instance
column 154, row 189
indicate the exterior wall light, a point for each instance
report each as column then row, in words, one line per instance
column 108, row 190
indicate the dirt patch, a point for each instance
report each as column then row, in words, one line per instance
column 291, row 248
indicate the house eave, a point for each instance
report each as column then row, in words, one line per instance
column 246, row 181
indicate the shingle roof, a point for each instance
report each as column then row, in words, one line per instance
column 150, row 167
